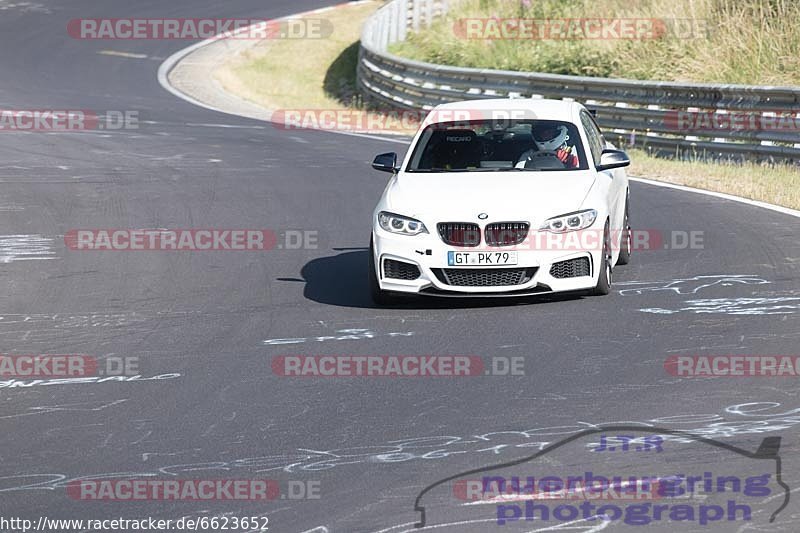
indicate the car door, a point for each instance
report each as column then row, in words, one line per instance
column 617, row 185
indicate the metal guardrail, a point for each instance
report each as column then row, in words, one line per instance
column 645, row 114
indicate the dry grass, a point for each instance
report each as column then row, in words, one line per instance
column 290, row 73
column 776, row 184
column 734, row 41
column 318, row 74
column 303, row 73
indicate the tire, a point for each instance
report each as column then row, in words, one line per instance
column 625, row 245
column 379, row 296
column 603, row 286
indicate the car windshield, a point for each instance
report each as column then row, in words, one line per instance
column 486, row 146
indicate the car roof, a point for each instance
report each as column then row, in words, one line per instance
column 542, row 108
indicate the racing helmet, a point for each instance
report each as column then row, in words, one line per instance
column 549, row 136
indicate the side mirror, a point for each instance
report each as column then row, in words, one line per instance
column 386, row 162
column 613, row 159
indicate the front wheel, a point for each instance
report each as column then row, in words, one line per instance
column 603, row 286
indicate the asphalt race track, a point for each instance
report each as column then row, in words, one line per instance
column 204, row 326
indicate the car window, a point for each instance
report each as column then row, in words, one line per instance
column 596, row 142
column 515, row 145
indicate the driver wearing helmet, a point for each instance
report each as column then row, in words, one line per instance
column 554, row 138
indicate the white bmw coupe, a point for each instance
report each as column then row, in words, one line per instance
column 501, row 198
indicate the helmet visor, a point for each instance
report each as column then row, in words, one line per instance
column 546, row 132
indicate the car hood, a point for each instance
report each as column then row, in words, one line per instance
column 503, row 196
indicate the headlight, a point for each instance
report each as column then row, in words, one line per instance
column 400, row 224
column 570, row 221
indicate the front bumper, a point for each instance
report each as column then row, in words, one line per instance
column 533, row 273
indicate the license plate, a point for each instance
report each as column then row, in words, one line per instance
column 481, row 258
